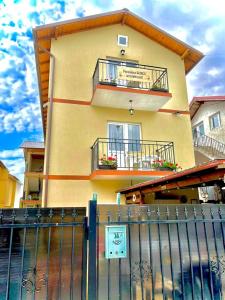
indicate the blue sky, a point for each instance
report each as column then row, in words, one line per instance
column 200, row 23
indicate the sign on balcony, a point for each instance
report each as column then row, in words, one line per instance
column 133, row 74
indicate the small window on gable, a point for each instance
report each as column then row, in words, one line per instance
column 123, row 40
column 214, row 121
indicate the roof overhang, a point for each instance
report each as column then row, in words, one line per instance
column 198, row 101
column 44, row 34
column 205, row 174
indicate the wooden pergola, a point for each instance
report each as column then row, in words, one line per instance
column 209, row 174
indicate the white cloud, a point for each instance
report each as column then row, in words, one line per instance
column 214, row 72
column 26, row 118
column 15, row 153
column 16, row 167
column 180, row 33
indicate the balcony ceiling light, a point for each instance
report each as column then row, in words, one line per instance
column 131, row 109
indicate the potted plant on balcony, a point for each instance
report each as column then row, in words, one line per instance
column 108, row 163
column 159, row 87
column 164, row 165
column 108, row 81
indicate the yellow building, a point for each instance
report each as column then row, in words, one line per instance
column 114, row 103
column 9, row 187
column 33, row 176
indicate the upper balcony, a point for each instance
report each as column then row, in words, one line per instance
column 127, row 159
column 115, row 83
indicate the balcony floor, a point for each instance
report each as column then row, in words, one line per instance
column 118, row 97
column 128, row 174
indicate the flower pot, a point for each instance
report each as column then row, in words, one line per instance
column 108, row 83
column 107, row 167
column 159, row 90
column 165, row 169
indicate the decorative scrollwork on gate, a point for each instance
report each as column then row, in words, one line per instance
column 33, row 280
column 217, row 264
column 141, row 271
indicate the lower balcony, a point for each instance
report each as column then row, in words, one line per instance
column 132, row 159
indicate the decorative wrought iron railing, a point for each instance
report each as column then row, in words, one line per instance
column 127, row 74
column 130, row 154
column 215, row 147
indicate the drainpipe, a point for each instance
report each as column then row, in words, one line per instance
column 49, row 123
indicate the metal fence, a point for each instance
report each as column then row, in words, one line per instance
column 174, row 252
column 43, row 254
column 107, row 72
column 131, row 154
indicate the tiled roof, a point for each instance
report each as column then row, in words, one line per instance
column 33, row 145
column 198, row 101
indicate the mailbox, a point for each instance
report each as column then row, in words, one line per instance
column 115, row 241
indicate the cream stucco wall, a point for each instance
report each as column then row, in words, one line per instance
column 203, row 114
column 76, row 127
column 77, row 54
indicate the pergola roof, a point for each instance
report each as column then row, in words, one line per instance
column 197, row 176
column 44, row 34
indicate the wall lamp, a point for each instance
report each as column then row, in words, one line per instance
column 122, row 52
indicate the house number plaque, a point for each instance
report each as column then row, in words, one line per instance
column 115, row 241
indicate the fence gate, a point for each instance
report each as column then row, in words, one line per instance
column 43, row 254
column 174, row 252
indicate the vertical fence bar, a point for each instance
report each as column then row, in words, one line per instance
column 84, row 261
column 190, row 254
column 9, row 260
column 150, row 252
column 199, row 254
column 140, row 255
column 60, row 257
column 48, row 252
column 108, row 263
column 92, row 255
column 130, row 252
column 217, row 252
column 72, row 258
column 180, row 253
column 22, row 259
column 160, row 253
column 170, row 251
column 208, row 254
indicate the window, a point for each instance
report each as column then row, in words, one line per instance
column 122, row 40
column 214, row 121
column 120, row 133
column 198, row 130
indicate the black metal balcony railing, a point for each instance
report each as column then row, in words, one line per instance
column 130, row 154
column 127, row 74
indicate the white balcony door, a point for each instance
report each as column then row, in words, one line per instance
column 124, row 138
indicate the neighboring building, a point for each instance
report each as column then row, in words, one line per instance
column 33, row 176
column 208, row 126
column 10, row 187
column 113, row 99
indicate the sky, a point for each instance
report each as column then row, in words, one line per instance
column 199, row 23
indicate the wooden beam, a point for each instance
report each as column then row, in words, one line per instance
column 215, row 175
column 186, row 52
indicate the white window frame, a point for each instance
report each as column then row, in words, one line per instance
column 211, row 123
column 125, row 128
column 118, row 40
column 197, row 128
